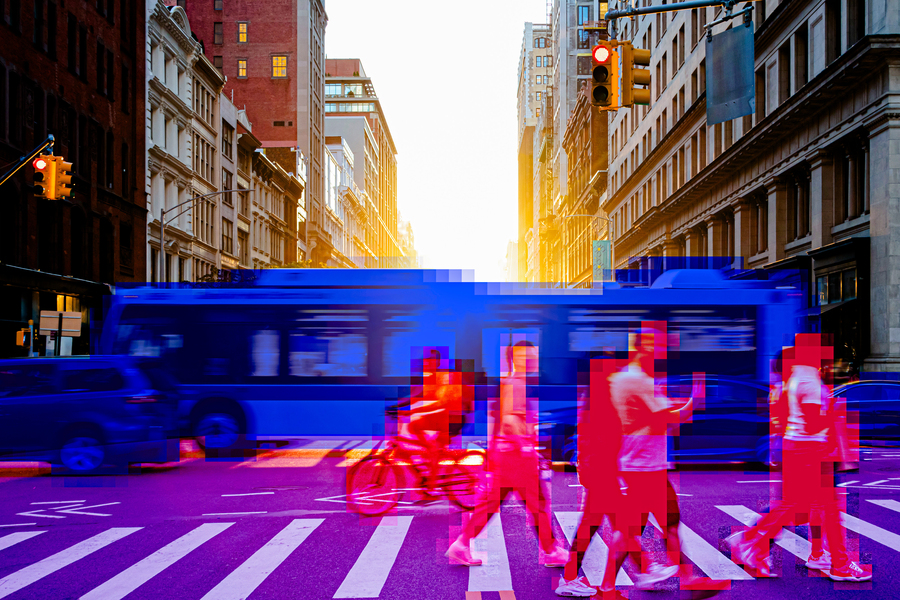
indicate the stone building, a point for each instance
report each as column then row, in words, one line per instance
column 75, row 71
column 342, row 205
column 809, row 180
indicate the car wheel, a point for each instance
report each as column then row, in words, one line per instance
column 217, row 430
column 82, row 453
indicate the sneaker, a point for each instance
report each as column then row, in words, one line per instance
column 821, row 562
column 577, row 587
column 852, row 572
column 655, row 573
column 742, row 553
column 459, row 554
column 558, row 558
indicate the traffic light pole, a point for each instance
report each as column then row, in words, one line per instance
column 25, row 159
column 163, row 223
column 630, row 11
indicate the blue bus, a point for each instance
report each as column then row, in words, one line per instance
column 323, row 351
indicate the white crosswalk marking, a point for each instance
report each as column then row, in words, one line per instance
column 594, row 562
column 493, row 575
column 889, row 504
column 247, row 577
column 373, row 566
column 135, row 576
column 873, row 532
column 788, row 540
column 31, row 573
column 14, row 538
column 705, row 555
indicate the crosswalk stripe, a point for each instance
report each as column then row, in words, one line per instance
column 31, row 573
column 14, row 538
column 705, row 555
column 373, row 566
column 790, row 541
column 493, row 575
column 241, row 582
column 873, row 532
column 888, row 504
column 138, row 574
column 594, row 562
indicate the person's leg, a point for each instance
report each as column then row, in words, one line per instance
column 590, row 523
column 528, row 485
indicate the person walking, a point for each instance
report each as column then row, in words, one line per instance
column 514, row 461
column 808, row 474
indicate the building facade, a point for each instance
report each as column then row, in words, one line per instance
column 275, row 50
column 354, row 113
column 808, row 181
column 75, row 71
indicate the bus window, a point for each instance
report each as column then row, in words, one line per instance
column 264, row 353
column 327, row 353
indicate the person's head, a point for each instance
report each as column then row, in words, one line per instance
column 523, row 356
column 431, row 361
column 644, row 345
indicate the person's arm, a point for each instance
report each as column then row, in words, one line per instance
column 680, row 413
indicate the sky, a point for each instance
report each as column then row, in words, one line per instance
column 446, row 75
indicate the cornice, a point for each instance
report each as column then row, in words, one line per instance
column 162, row 16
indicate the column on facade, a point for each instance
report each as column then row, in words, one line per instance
column 864, row 167
column 777, row 192
column 690, row 243
column 821, row 198
column 803, row 201
column 671, row 252
column 714, row 236
column 884, row 142
column 743, row 232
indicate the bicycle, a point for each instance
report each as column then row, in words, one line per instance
column 376, row 484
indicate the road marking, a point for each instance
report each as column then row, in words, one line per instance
column 873, row 532
column 247, row 494
column 241, row 582
column 31, row 573
column 888, row 504
column 14, row 538
column 788, row 540
column 705, row 555
column 18, row 525
column 594, row 562
column 371, row 570
column 877, row 482
column 256, row 512
column 761, row 481
column 847, row 483
column 490, row 546
column 140, row 573
column 34, row 513
column 77, row 510
column 61, row 502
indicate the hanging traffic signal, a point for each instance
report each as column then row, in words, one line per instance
column 604, row 91
column 45, row 176
column 63, row 178
column 631, row 76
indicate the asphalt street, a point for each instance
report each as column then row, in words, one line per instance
column 277, row 526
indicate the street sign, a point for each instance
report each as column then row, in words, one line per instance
column 602, row 253
column 730, row 80
column 71, row 323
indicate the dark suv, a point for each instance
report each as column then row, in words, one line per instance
column 86, row 413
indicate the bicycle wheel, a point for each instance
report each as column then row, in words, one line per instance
column 460, row 479
column 372, row 486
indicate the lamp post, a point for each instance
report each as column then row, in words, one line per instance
column 608, row 220
column 163, row 222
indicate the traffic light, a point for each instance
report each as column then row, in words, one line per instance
column 45, row 176
column 63, row 178
column 604, row 92
column 631, row 76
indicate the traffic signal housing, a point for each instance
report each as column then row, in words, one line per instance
column 633, row 59
column 604, row 90
column 45, row 176
column 63, row 178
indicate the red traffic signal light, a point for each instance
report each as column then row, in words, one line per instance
column 601, row 54
column 45, row 177
column 605, row 74
column 40, row 164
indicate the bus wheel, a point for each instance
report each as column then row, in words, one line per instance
column 82, row 453
column 217, row 430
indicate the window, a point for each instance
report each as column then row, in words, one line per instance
column 218, row 37
column 71, row 40
column 126, row 84
column 217, row 4
column 279, row 66
column 242, row 33
column 101, row 69
column 539, row 61
column 242, row 68
column 539, row 80
column 217, row 62
column 227, row 139
column 584, row 14
column 537, row 96
column 227, row 236
column 332, row 89
column 226, row 185
column 584, row 39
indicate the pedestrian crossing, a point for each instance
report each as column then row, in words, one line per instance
column 374, row 565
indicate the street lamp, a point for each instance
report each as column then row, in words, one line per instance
column 163, row 222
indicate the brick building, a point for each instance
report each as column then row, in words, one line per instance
column 272, row 54
column 809, row 181
column 74, row 70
